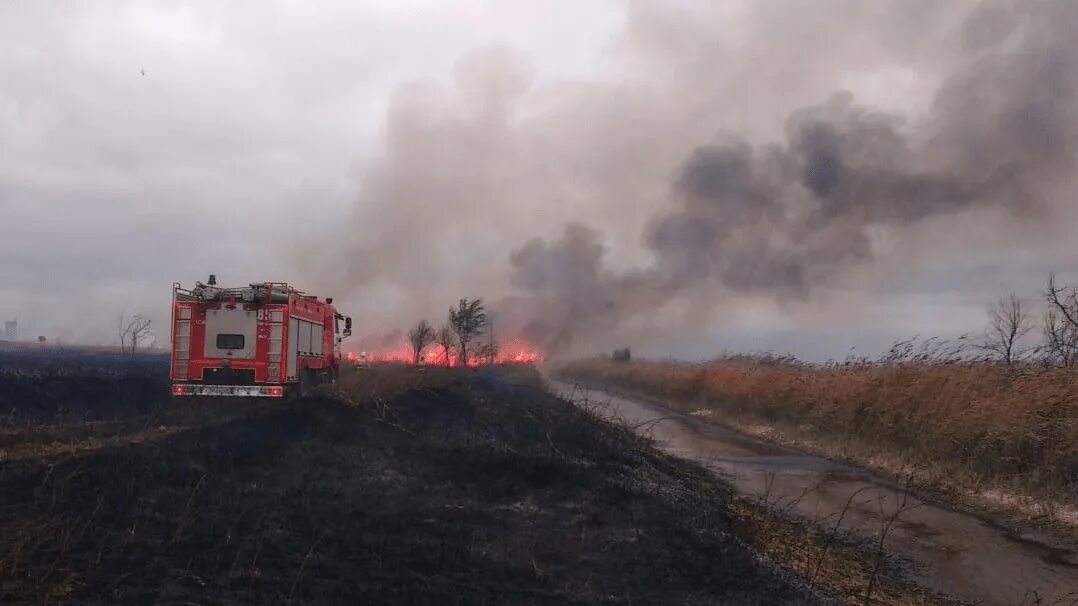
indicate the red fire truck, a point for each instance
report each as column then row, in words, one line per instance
column 261, row 340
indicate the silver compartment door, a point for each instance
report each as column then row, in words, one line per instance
column 233, row 322
column 293, row 347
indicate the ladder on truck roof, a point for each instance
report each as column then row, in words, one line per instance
column 256, row 292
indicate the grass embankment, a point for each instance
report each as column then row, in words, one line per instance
column 1005, row 437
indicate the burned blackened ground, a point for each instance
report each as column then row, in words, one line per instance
column 462, row 487
column 45, row 397
column 48, row 385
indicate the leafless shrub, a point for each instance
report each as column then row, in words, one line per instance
column 443, row 338
column 132, row 331
column 886, row 524
column 832, row 535
column 420, row 337
column 1061, row 324
column 1008, row 322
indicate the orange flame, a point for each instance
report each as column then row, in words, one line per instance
column 509, row 353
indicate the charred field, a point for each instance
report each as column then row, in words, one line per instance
column 444, row 486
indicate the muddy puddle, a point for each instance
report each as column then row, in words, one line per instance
column 953, row 552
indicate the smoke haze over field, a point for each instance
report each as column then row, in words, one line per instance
column 682, row 177
column 672, row 160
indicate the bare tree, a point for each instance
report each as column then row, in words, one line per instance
column 132, row 331
column 468, row 321
column 1008, row 322
column 1061, row 324
column 443, row 337
column 420, row 336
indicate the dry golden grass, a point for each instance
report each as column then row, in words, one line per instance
column 381, row 382
column 385, row 381
column 967, row 425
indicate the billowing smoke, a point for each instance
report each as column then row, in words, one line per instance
column 653, row 164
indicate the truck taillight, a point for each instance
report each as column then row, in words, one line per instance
column 276, row 392
column 178, row 390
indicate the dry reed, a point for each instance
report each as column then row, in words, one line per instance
column 961, row 422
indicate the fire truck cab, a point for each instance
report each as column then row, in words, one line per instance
column 261, row 340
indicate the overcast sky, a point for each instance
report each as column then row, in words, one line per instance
column 146, row 142
column 395, row 154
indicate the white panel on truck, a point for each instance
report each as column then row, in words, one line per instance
column 230, row 333
column 293, row 347
column 316, row 339
column 304, row 345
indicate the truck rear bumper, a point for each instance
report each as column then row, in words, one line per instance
column 237, row 391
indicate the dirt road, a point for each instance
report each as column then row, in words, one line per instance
column 953, row 552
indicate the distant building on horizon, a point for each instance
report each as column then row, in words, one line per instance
column 11, row 330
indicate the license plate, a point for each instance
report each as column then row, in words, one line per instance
column 227, row 390
column 251, row 391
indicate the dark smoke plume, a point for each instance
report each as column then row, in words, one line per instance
column 728, row 217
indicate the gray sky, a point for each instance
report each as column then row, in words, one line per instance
column 249, row 127
column 395, row 154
